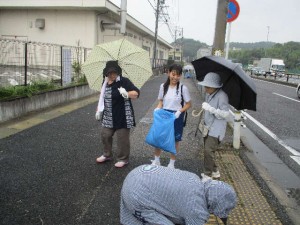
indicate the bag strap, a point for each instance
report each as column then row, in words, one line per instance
column 182, row 104
column 182, row 101
column 213, row 95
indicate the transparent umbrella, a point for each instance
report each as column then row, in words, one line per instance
column 133, row 60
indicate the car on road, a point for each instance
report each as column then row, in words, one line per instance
column 298, row 90
column 258, row 71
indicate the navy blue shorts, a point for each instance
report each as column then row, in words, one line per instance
column 178, row 126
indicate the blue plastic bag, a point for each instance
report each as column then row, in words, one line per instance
column 161, row 134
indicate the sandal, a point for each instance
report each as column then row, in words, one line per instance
column 120, row 164
column 102, row 159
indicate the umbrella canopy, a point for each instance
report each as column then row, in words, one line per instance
column 133, row 60
column 239, row 87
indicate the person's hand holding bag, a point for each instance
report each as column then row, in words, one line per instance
column 123, row 92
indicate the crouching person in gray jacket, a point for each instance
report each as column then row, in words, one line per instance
column 156, row 195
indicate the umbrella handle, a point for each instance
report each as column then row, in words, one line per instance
column 196, row 115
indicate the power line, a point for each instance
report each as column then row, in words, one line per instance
column 151, row 5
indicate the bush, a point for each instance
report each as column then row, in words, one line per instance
column 25, row 91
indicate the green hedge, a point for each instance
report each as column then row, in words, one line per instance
column 25, row 91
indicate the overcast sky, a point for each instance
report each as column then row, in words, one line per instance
column 259, row 20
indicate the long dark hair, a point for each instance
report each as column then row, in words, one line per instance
column 178, row 69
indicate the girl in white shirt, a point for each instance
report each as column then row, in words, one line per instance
column 174, row 97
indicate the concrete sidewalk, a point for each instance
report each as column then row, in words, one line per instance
column 87, row 193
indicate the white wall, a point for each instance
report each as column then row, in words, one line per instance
column 62, row 27
column 67, row 27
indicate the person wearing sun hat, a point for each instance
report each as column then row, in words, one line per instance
column 216, row 108
column 116, row 113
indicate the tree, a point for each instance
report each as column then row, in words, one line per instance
column 289, row 52
column 190, row 47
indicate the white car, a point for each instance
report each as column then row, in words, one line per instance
column 298, row 90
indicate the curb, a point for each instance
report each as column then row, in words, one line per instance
column 286, row 208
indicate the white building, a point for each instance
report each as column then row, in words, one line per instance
column 69, row 22
column 204, row 52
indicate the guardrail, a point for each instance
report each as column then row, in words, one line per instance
column 272, row 79
column 291, row 75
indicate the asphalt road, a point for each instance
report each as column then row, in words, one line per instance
column 278, row 110
column 48, row 173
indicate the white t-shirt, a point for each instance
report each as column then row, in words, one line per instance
column 172, row 99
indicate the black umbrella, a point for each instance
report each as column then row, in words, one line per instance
column 239, row 87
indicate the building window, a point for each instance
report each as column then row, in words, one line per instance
column 161, row 54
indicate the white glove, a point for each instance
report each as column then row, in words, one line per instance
column 123, row 92
column 206, row 106
column 177, row 114
column 98, row 115
column 221, row 114
column 156, row 109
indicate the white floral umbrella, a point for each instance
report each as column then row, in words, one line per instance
column 133, row 60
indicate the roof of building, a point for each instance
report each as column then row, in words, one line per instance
column 100, row 6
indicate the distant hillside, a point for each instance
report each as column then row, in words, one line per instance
column 191, row 46
column 262, row 44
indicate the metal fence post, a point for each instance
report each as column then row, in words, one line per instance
column 61, row 65
column 84, row 54
column 26, row 63
column 237, row 130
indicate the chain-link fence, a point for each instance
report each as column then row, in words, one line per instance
column 23, row 63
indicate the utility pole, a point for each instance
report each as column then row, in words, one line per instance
column 181, row 45
column 155, row 38
column 220, row 29
column 123, row 16
column 174, row 50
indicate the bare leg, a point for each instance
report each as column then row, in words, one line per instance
column 157, row 152
column 156, row 160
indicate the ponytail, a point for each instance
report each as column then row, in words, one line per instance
column 166, row 86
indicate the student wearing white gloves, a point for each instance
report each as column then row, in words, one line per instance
column 216, row 111
column 173, row 97
column 116, row 113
